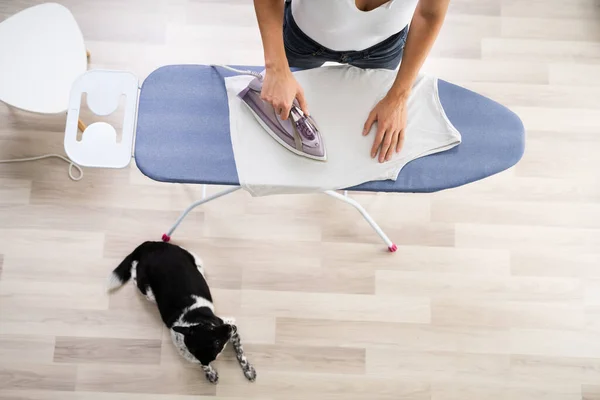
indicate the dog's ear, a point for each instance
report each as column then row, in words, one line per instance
column 184, row 330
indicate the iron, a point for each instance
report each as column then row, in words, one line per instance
column 298, row 133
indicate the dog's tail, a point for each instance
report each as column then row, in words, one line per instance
column 122, row 273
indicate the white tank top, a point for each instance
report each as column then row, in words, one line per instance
column 339, row 25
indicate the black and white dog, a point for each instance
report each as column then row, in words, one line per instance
column 174, row 278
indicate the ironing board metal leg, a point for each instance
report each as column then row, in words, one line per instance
column 391, row 246
column 167, row 236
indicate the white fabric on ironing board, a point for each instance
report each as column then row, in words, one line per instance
column 340, row 99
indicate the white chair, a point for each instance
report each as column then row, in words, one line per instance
column 42, row 53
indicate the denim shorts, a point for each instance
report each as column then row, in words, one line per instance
column 303, row 52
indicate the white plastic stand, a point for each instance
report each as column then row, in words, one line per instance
column 99, row 146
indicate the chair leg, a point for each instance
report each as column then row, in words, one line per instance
column 167, row 236
column 391, row 246
column 81, row 125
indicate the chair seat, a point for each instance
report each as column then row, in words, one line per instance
column 43, row 53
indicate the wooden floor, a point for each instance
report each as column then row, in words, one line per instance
column 494, row 292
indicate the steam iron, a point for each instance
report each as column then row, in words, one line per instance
column 299, row 133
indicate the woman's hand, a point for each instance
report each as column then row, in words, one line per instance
column 390, row 114
column 279, row 89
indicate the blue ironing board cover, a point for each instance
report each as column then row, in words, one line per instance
column 183, row 134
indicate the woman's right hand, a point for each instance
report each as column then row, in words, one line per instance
column 279, row 89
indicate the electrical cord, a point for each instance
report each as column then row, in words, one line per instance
column 240, row 71
column 71, row 163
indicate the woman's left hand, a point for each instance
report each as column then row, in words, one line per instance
column 390, row 114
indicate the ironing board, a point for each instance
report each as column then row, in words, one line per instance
column 182, row 136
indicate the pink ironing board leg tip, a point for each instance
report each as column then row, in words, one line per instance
column 165, row 237
column 393, row 248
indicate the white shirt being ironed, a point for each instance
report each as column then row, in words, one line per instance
column 340, row 99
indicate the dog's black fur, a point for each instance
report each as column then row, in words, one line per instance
column 173, row 277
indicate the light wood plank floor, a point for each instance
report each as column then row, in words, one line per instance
column 494, row 292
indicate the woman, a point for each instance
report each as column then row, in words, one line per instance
column 363, row 33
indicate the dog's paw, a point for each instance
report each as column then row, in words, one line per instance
column 250, row 373
column 212, row 376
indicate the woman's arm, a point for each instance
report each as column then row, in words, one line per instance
column 390, row 112
column 269, row 14
column 279, row 86
column 425, row 26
